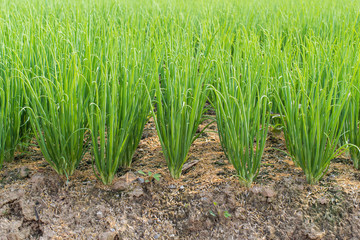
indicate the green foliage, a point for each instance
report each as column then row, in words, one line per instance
column 14, row 127
column 150, row 176
column 81, row 71
column 218, row 212
column 312, row 103
column 181, row 92
column 4, row 122
column 121, row 99
column 242, row 107
column 353, row 124
column 57, row 109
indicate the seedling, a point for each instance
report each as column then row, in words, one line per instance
column 150, row 176
column 225, row 213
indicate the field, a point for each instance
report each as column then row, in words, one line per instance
column 179, row 119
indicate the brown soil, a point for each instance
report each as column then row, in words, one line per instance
column 206, row 203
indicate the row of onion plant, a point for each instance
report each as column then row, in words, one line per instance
column 14, row 124
column 89, row 74
column 313, row 105
column 182, row 89
column 122, row 94
column 242, row 104
column 57, row 98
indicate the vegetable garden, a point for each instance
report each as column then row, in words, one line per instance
column 81, row 80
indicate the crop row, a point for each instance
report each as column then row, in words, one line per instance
column 81, row 76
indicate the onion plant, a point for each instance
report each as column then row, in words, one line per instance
column 120, row 101
column 56, row 90
column 57, row 108
column 181, row 93
column 19, row 129
column 4, row 122
column 15, row 127
column 351, row 66
column 242, row 107
column 14, row 124
column 353, row 124
column 311, row 104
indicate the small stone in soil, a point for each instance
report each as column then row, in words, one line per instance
column 107, row 236
column 137, row 192
column 99, row 214
column 323, row 200
column 24, row 172
column 268, row 192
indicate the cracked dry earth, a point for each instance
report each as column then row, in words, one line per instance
column 206, row 203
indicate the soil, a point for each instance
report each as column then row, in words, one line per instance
column 207, row 202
